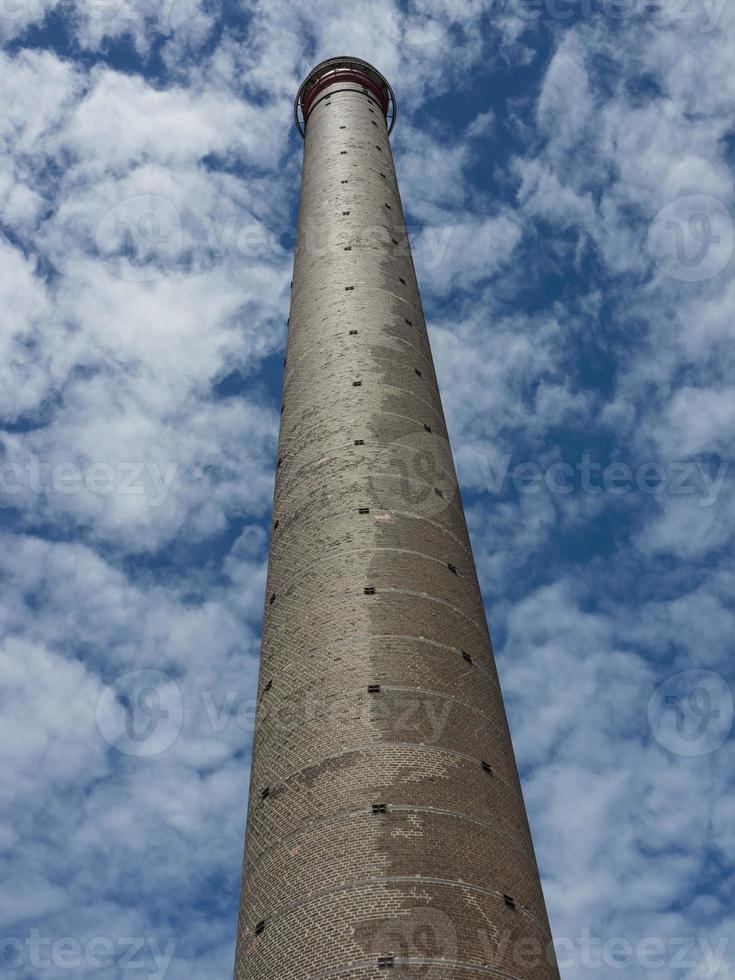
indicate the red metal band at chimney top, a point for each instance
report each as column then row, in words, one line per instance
column 343, row 75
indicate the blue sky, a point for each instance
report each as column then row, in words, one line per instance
column 567, row 172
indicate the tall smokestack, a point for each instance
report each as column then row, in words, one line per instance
column 386, row 825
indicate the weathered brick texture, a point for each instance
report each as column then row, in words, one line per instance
column 386, row 824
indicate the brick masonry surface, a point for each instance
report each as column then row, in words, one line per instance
column 387, row 833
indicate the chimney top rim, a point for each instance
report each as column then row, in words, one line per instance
column 346, row 62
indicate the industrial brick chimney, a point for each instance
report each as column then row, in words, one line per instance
column 386, row 824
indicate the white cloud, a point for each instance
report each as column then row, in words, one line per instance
column 566, row 106
column 48, row 723
column 606, row 791
column 124, row 121
column 16, row 16
column 464, row 253
column 699, row 420
column 25, row 372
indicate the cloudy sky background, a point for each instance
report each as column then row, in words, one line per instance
column 567, row 171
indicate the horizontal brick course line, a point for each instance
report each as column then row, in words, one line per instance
column 389, row 388
column 419, row 517
column 389, row 636
column 389, row 589
column 413, row 961
column 284, row 488
column 460, row 685
column 441, row 694
column 368, row 748
column 377, row 411
column 386, row 388
column 447, row 502
column 321, row 337
column 363, row 349
column 345, row 227
column 457, row 815
column 340, row 233
column 378, row 290
column 314, row 896
column 359, row 419
column 371, row 550
column 365, row 243
column 386, row 687
column 409, row 301
column 347, row 815
column 341, row 91
column 284, row 529
column 292, row 367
